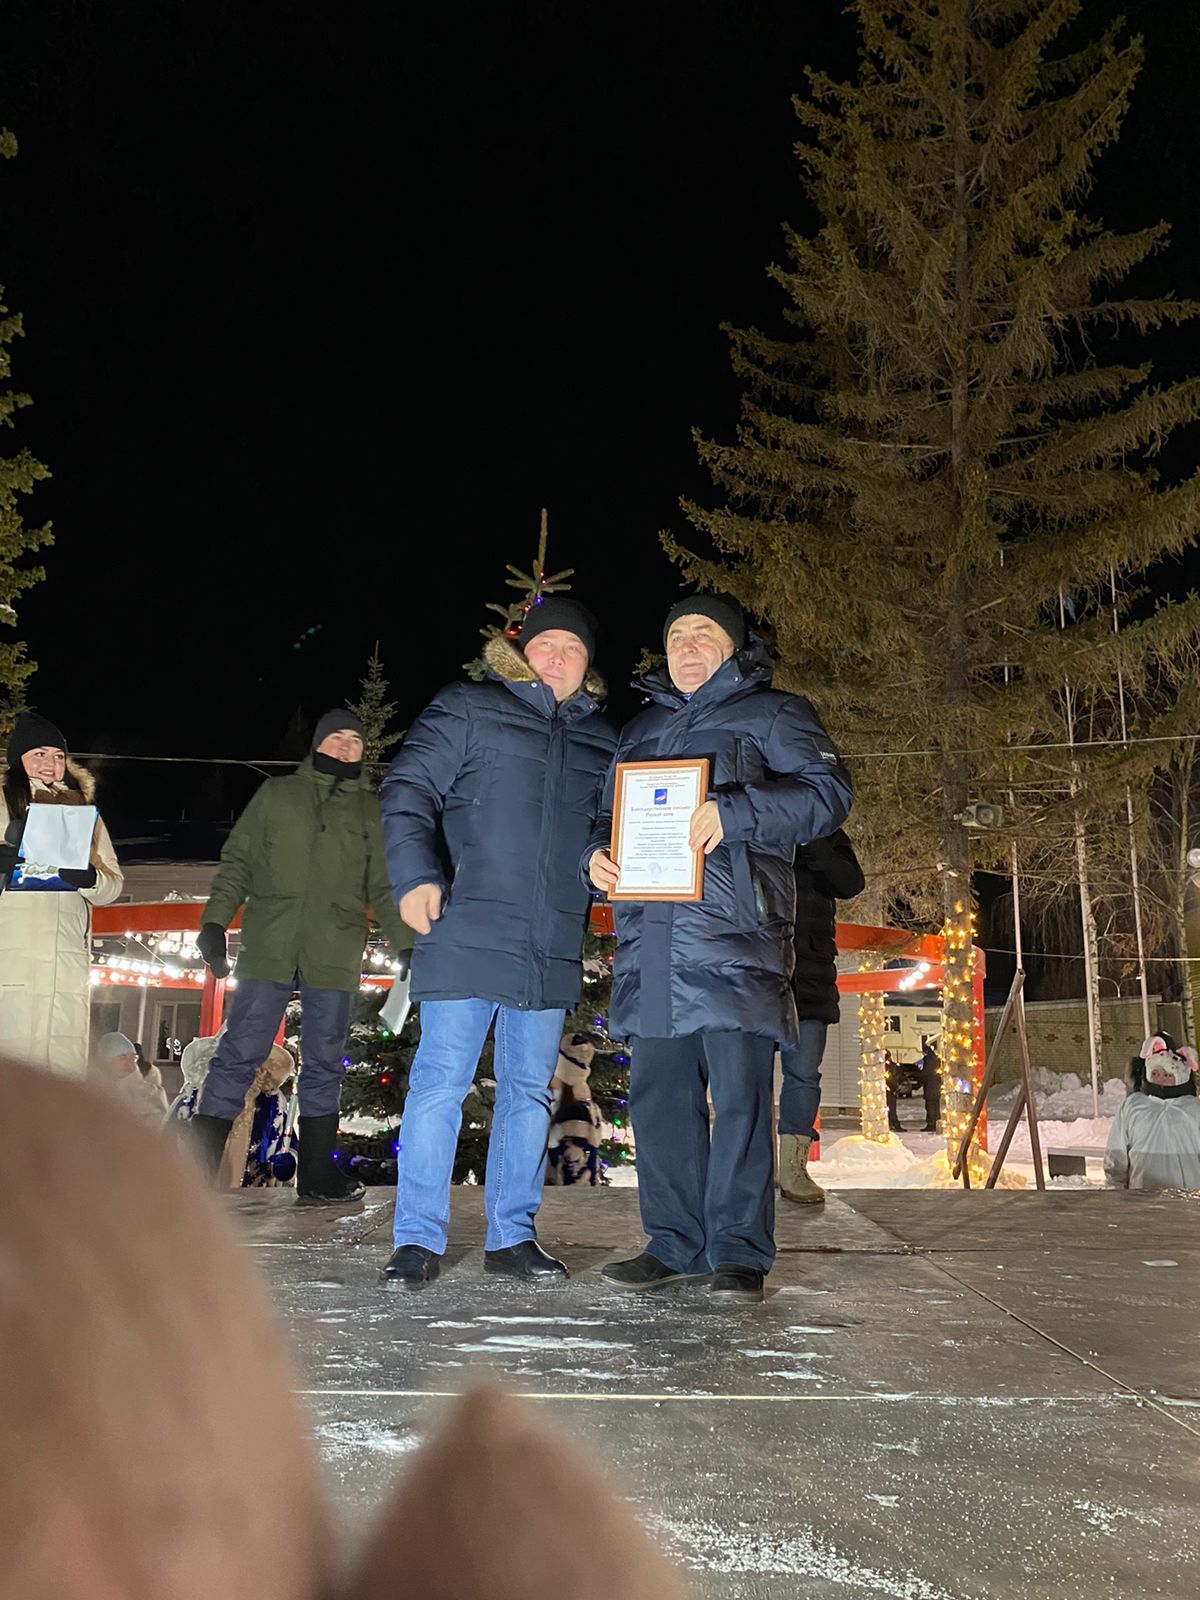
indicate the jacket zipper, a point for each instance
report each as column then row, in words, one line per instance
column 554, row 749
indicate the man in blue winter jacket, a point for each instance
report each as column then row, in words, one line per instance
column 486, row 811
column 703, row 990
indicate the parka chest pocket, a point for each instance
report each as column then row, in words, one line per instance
column 736, row 761
column 477, row 773
column 584, row 767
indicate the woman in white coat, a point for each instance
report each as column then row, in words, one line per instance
column 46, row 920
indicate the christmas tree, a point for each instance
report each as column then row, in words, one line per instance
column 378, row 1063
column 18, row 475
column 608, row 1081
column 531, row 586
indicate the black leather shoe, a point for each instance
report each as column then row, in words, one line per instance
column 524, row 1260
column 411, row 1267
column 646, row 1272
column 733, row 1282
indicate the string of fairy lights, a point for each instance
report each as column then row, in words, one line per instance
column 872, row 1085
column 173, row 961
column 957, row 1045
column 961, row 1024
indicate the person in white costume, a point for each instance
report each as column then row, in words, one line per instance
column 1155, row 1138
column 262, row 1132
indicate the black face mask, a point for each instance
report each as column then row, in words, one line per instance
column 1170, row 1091
column 336, row 769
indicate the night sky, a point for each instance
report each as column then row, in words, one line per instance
column 323, row 302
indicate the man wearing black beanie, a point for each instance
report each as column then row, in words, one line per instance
column 306, row 861
column 702, row 989
column 485, row 811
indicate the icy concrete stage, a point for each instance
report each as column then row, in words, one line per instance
column 946, row 1396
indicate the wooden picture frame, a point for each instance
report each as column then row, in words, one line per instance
column 650, row 827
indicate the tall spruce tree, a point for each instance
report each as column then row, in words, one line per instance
column 937, row 451
column 18, row 475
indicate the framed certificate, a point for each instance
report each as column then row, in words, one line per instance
column 653, row 802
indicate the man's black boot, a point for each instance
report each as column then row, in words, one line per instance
column 207, row 1137
column 644, row 1272
column 732, row 1281
column 319, row 1180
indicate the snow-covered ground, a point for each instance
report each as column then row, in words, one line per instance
column 918, row 1160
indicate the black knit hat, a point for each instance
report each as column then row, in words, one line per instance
column 334, row 722
column 560, row 611
column 722, row 609
column 31, row 732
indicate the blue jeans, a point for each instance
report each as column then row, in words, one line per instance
column 800, row 1096
column 254, row 1018
column 526, row 1051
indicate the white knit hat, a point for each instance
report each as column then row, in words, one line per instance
column 114, row 1044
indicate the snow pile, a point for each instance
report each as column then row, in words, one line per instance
column 858, row 1163
column 1061, row 1097
column 366, row 1126
column 623, row 1176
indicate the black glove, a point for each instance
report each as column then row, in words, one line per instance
column 210, row 942
column 402, row 962
column 78, row 877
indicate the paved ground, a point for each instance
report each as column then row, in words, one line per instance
column 946, row 1396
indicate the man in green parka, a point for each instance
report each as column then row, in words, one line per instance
column 306, row 859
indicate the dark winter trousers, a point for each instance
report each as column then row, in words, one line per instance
column 707, row 1198
column 254, row 1019
column 800, row 1095
column 931, row 1083
column 893, row 1107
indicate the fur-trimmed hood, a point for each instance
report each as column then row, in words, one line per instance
column 77, row 788
column 18, row 792
column 503, row 658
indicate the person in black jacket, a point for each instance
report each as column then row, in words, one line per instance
column 703, row 989
column 891, row 1082
column 827, row 870
column 931, row 1083
column 486, row 809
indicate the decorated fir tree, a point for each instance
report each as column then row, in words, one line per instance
column 18, row 475
column 531, row 588
column 937, row 449
column 376, row 1083
column 378, row 1065
column 608, row 1082
column 377, row 1077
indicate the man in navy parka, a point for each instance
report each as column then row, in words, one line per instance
column 702, row 990
column 485, row 811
